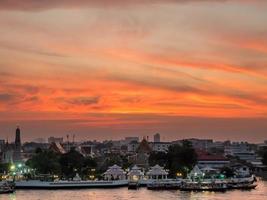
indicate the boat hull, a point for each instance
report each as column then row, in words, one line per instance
column 133, row 185
column 204, row 189
column 7, row 191
column 164, row 185
column 242, row 187
column 70, row 185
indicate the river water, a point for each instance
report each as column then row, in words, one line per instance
column 260, row 193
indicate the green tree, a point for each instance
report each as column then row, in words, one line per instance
column 114, row 159
column 110, row 160
column 181, row 158
column 228, row 172
column 45, row 162
column 71, row 163
column 4, row 168
column 88, row 167
column 159, row 158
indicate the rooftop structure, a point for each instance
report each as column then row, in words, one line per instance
column 195, row 173
column 144, row 147
column 115, row 173
column 57, row 147
column 206, row 159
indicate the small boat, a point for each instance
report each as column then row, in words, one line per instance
column 242, row 183
column 243, row 186
column 6, row 188
column 203, row 186
column 133, row 185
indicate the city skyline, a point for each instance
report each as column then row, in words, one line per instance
column 111, row 69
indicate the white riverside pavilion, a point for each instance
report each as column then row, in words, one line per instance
column 115, row 173
column 195, row 173
column 135, row 174
column 157, row 172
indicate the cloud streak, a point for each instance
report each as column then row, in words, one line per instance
column 32, row 5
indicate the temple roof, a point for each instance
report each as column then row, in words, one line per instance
column 115, row 170
column 157, row 170
column 135, row 171
column 57, row 147
column 195, row 172
column 144, row 147
column 205, row 156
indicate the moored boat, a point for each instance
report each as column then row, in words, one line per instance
column 36, row 184
column 246, row 183
column 243, row 186
column 133, row 185
column 204, row 186
column 6, row 188
column 168, row 184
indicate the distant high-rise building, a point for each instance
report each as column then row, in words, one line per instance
column 17, row 150
column 157, row 137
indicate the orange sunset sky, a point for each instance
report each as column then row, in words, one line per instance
column 105, row 69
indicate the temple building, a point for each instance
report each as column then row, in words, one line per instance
column 11, row 153
column 141, row 157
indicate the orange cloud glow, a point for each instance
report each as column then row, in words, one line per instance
column 134, row 68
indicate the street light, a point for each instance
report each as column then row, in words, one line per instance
column 12, row 167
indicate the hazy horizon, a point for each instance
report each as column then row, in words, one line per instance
column 222, row 130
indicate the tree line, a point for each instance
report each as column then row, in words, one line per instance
column 179, row 158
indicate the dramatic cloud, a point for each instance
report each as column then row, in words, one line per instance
column 84, row 100
column 137, row 66
column 6, row 97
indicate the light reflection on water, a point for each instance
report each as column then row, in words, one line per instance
column 143, row 194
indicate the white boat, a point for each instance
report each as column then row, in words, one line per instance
column 37, row 184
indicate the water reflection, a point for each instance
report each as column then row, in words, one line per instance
column 143, row 194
